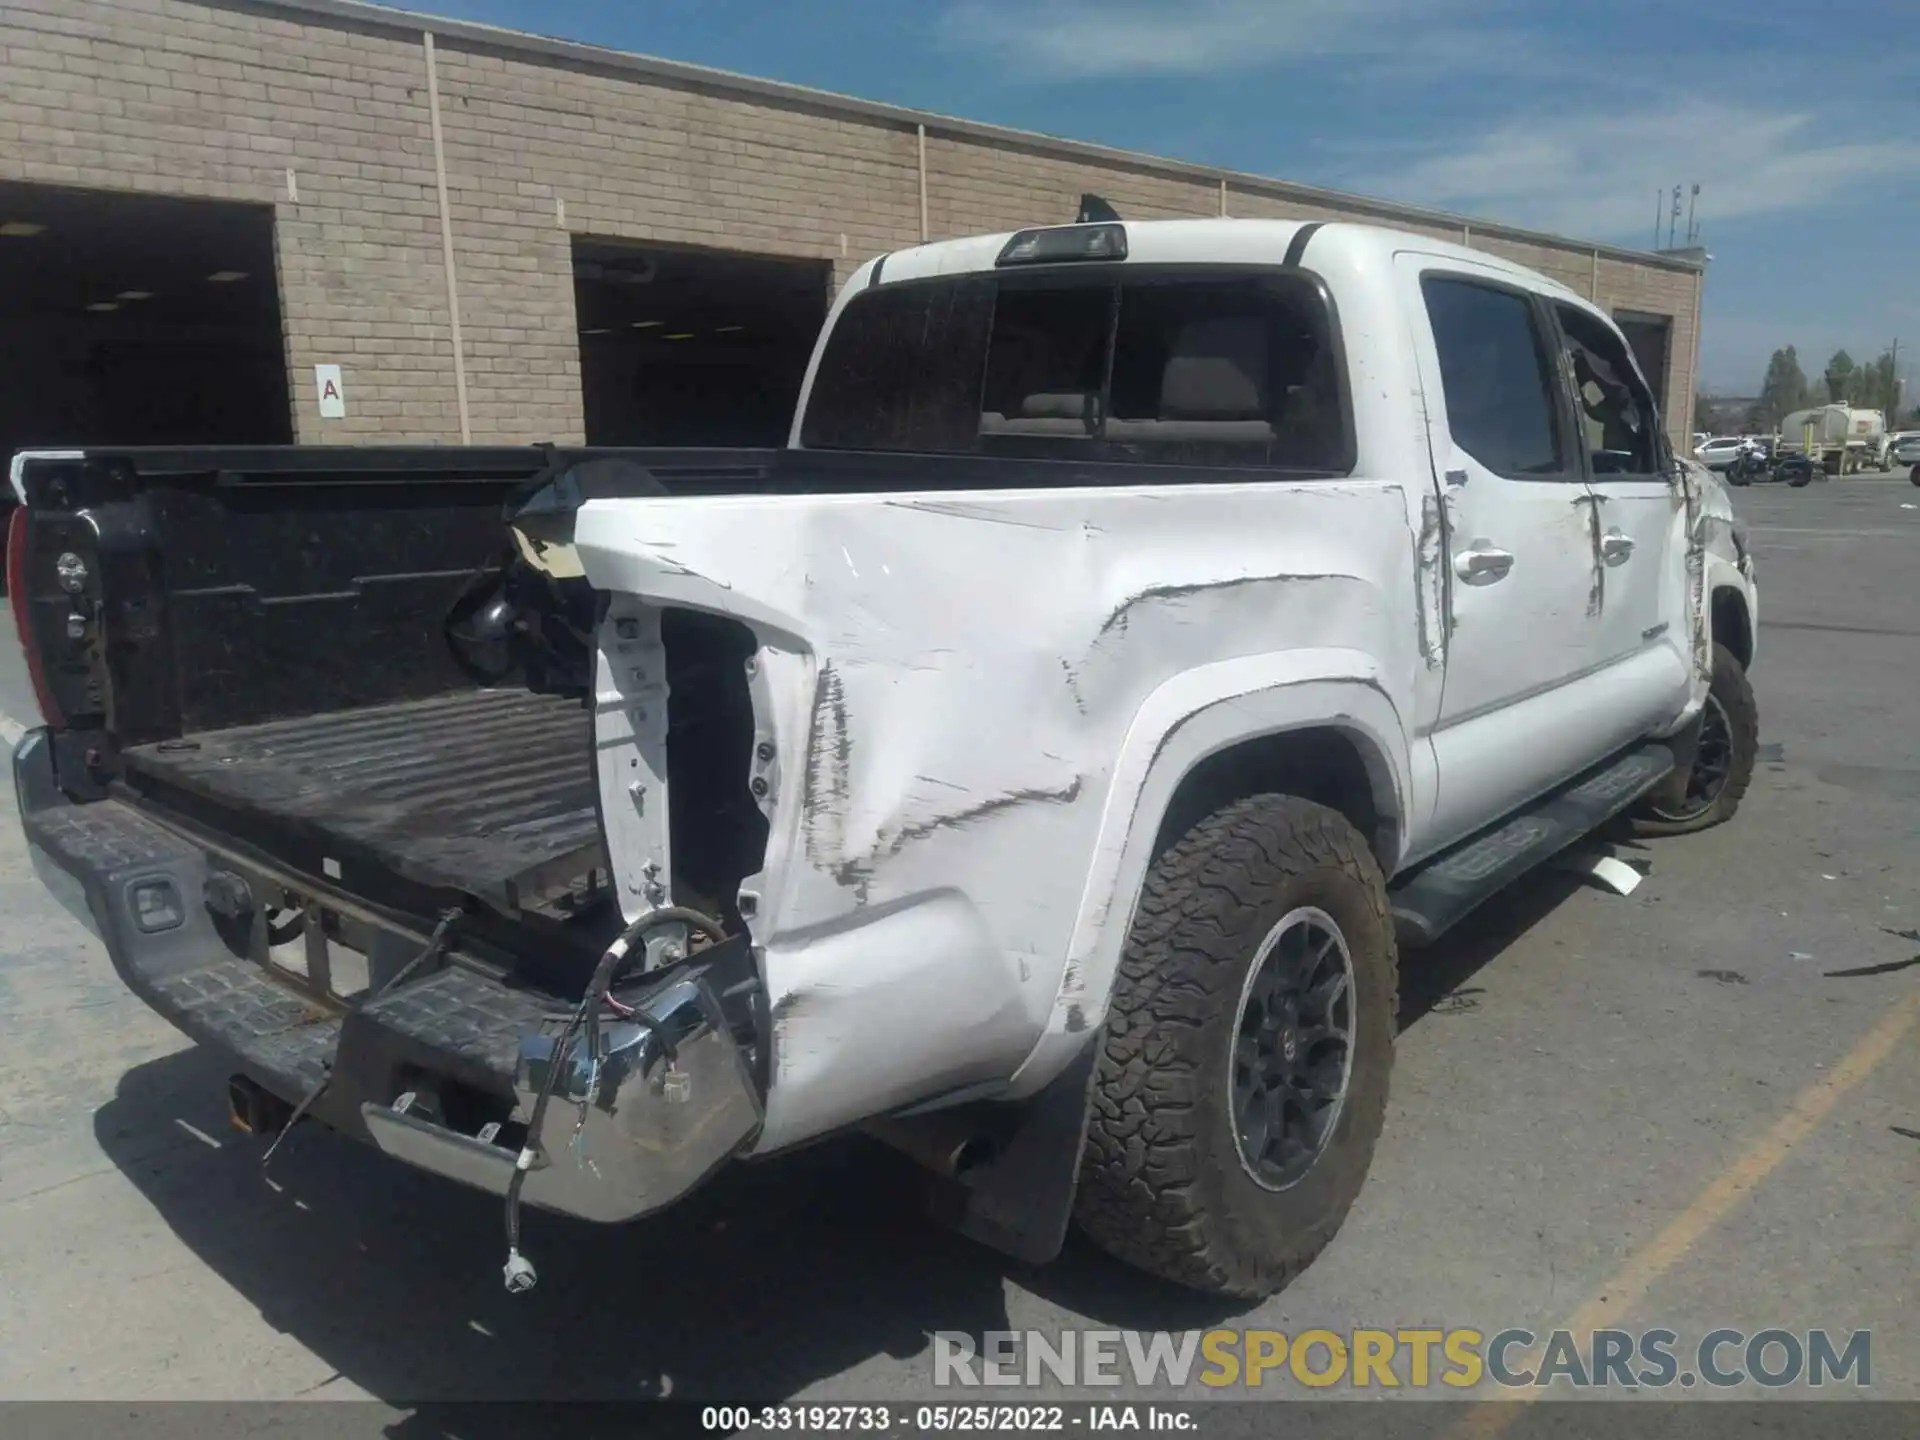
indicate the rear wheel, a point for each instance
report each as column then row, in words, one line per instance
column 1723, row 763
column 1242, row 1075
column 1914, row 475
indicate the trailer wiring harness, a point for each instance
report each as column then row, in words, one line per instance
column 519, row 1272
column 435, row 947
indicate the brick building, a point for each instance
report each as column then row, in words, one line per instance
column 504, row 238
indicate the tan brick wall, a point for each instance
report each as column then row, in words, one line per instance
column 974, row 188
column 156, row 95
column 640, row 162
column 1250, row 204
column 200, row 99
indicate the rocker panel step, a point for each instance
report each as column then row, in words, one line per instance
column 1443, row 891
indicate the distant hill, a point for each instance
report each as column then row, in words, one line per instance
column 1725, row 414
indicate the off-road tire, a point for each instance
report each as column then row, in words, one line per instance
column 1734, row 693
column 1162, row 1184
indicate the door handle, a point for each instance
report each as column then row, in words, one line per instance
column 1615, row 547
column 1481, row 564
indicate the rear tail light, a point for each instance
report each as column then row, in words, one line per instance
column 20, row 596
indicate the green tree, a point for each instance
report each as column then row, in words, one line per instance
column 1783, row 391
column 1839, row 377
column 1875, row 386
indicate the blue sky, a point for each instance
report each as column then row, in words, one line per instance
column 1800, row 122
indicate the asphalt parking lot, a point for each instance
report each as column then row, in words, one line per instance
column 1660, row 1109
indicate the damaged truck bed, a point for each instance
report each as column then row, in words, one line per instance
column 486, row 792
column 1039, row 762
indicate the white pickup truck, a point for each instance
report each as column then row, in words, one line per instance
column 1150, row 630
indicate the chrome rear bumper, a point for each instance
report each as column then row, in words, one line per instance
column 665, row 1100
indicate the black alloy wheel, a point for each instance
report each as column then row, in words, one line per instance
column 1293, row 1048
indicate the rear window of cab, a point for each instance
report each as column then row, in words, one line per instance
column 1206, row 367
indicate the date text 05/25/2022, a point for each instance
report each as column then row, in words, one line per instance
column 944, row 1418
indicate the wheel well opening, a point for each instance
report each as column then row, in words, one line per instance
column 1325, row 765
column 1731, row 626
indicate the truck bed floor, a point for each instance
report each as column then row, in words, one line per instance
column 490, row 792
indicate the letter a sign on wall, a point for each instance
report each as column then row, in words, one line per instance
column 333, row 399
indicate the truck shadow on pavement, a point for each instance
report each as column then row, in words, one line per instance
column 1438, row 980
column 773, row 1278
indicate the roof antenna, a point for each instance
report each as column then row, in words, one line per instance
column 1095, row 211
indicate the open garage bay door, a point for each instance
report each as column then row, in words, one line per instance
column 1651, row 337
column 693, row 347
column 137, row 320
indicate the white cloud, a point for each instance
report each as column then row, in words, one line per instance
column 1595, row 172
column 1087, row 39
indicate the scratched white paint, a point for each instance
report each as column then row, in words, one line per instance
column 630, row 751
column 981, row 702
column 1724, row 569
column 951, row 707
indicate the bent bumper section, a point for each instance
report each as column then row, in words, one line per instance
column 440, row 1072
column 636, row 1124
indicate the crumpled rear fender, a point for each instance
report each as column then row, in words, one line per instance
column 1190, row 718
column 959, row 700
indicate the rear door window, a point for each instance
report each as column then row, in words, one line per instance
column 1496, row 371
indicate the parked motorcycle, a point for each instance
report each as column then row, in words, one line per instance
column 1748, row 467
column 1798, row 470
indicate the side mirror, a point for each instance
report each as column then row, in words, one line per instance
column 485, row 628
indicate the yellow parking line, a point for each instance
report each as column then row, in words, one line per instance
column 1629, row 1285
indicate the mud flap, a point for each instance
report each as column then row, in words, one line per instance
column 1685, row 744
column 1020, row 1201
